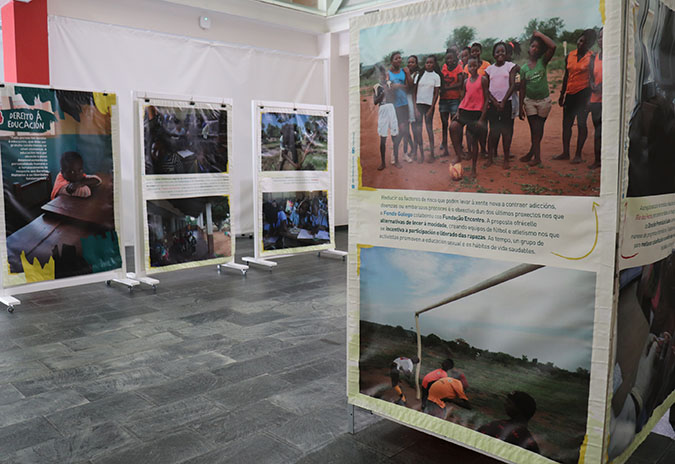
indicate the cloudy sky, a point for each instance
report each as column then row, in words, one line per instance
column 504, row 19
column 546, row 314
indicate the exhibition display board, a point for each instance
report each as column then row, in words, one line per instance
column 183, row 167
column 485, row 303
column 293, row 178
column 60, row 177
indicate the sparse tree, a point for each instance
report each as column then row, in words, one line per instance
column 461, row 36
column 551, row 27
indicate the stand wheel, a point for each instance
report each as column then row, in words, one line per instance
column 108, row 282
column 131, row 289
column 318, row 254
column 243, row 271
column 10, row 309
column 344, row 258
column 154, row 289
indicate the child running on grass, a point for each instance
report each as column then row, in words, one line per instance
column 451, row 93
column 472, row 113
column 502, row 76
column 426, row 95
column 402, row 366
column 535, row 102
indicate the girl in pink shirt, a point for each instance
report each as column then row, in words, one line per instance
column 472, row 113
column 502, row 76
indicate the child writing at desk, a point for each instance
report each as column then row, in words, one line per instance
column 72, row 180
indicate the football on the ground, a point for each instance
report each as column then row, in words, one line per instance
column 456, row 171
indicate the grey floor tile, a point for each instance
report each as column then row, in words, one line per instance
column 388, row 438
column 116, row 336
column 170, row 449
column 254, row 348
column 208, row 317
column 113, row 408
column 160, row 421
column 202, row 362
column 21, row 372
column 105, row 352
column 303, row 400
column 195, row 346
column 58, row 379
column 99, row 440
column 249, row 420
column 39, row 405
column 345, row 449
column 249, row 319
column 310, row 432
column 258, row 449
column 25, row 434
column 181, row 388
column 120, row 382
column 9, row 394
column 51, row 337
column 17, row 357
column 250, row 391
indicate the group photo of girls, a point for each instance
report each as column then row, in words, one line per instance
column 486, row 100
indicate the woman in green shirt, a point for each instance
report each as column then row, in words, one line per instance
column 534, row 92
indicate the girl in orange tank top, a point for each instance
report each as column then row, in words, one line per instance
column 575, row 95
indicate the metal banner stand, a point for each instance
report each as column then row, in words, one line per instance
column 271, row 181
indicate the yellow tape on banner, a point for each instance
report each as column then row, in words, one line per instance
column 36, row 272
column 358, row 257
column 582, row 450
column 361, row 187
column 601, row 7
column 104, row 101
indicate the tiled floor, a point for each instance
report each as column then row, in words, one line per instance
column 211, row 369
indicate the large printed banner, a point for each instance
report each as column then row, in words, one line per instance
column 643, row 379
column 59, row 176
column 483, row 202
column 293, row 178
column 184, row 184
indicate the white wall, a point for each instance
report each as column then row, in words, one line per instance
column 158, row 47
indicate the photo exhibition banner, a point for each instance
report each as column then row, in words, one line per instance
column 60, row 178
column 643, row 375
column 183, row 168
column 293, row 178
column 484, row 199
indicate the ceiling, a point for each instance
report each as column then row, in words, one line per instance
column 315, row 16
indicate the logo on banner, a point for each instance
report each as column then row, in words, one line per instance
column 26, row 120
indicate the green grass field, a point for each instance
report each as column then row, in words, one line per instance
column 562, row 396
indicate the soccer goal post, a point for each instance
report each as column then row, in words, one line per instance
column 505, row 276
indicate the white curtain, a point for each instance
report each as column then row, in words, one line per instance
column 93, row 56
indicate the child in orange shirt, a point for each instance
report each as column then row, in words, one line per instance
column 72, row 180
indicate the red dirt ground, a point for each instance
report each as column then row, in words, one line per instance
column 550, row 178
